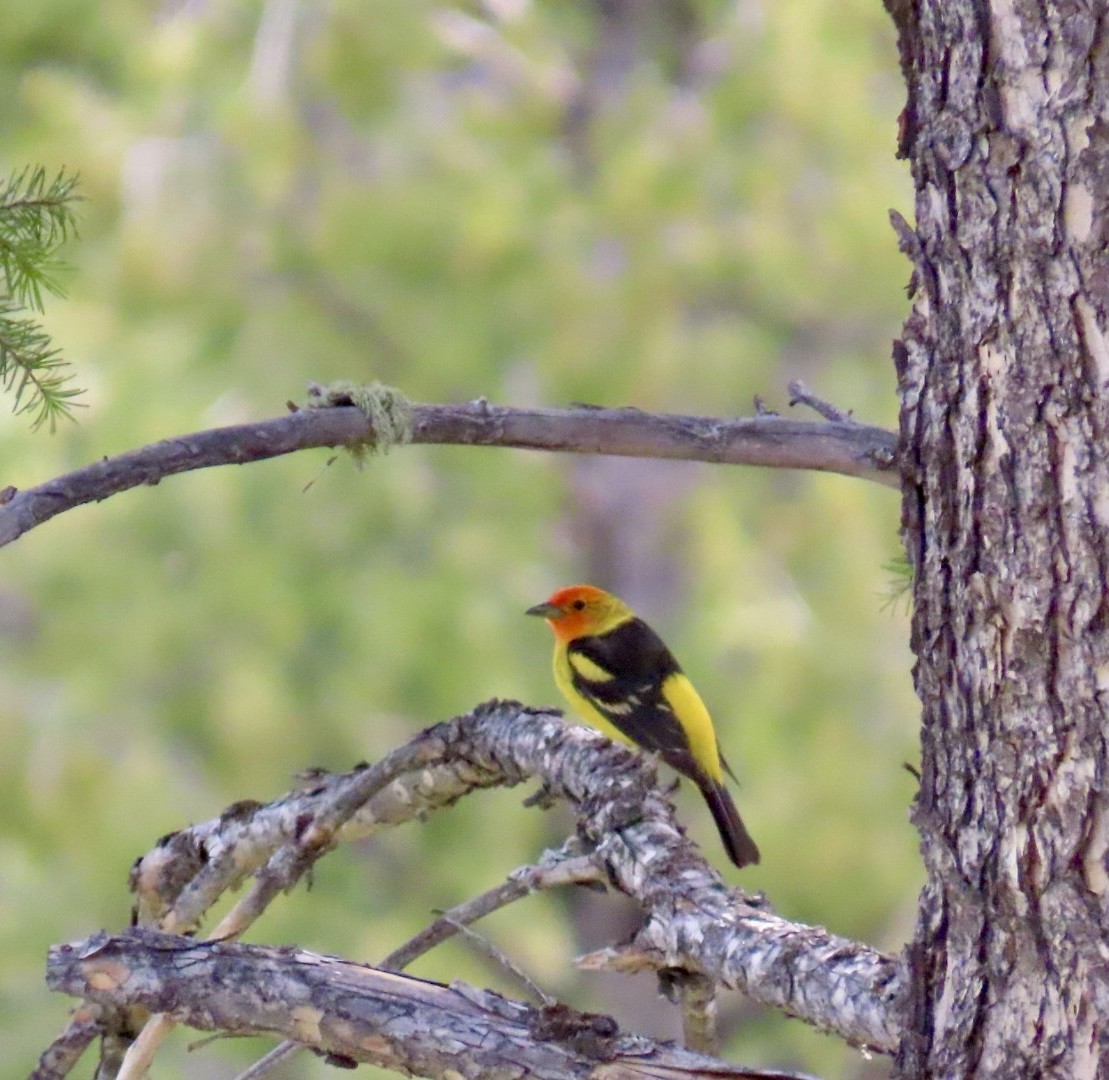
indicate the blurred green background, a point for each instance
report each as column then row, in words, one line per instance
column 673, row 205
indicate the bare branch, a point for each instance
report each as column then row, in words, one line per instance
column 268, row 1062
column 140, row 1053
column 506, row 964
column 696, row 996
column 352, row 1013
column 63, row 1053
column 693, row 920
column 177, row 882
column 800, row 394
column 556, row 869
column 846, row 448
column 287, row 858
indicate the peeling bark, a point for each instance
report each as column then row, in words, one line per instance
column 352, row 1013
column 1003, row 370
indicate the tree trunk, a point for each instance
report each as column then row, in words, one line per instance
column 1003, row 371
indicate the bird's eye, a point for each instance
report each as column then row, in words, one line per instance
column 578, row 605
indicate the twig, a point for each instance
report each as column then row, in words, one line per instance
column 557, row 869
column 503, row 961
column 140, row 1054
column 847, row 448
column 59, row 1058
column 267, row 1062
column 800, row 394
column 695, row 996
column 519, row 884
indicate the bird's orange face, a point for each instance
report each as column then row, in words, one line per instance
column 579, row 610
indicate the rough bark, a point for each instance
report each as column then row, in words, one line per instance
column 353, row 1013
column 1003, row 371
column 696, row 931
column 692, row 920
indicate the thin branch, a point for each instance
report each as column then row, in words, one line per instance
column 554, row 871
column 800, row 394
column 503, row 961
column 352, row 1013
column 696, row 997
column 59, row 1058
column 140, row 1054
column 558, row 872
column 268, row 1062
column 846, row 448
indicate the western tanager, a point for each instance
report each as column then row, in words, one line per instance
column 619, row 675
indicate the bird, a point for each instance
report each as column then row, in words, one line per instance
column 619, row 676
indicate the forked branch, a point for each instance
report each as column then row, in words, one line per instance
column 693, row 921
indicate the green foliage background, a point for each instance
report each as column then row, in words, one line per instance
column 462, row 200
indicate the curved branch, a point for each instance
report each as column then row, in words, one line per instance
column 693, row 920
column 847, row 448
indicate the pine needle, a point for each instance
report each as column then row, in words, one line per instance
column 37, row 216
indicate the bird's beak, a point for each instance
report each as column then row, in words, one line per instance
column 544, row 611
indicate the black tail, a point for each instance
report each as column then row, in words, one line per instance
column 737, row 840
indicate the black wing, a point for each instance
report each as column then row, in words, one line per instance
column 637, row 661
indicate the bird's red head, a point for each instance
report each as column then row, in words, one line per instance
column 581, row 610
